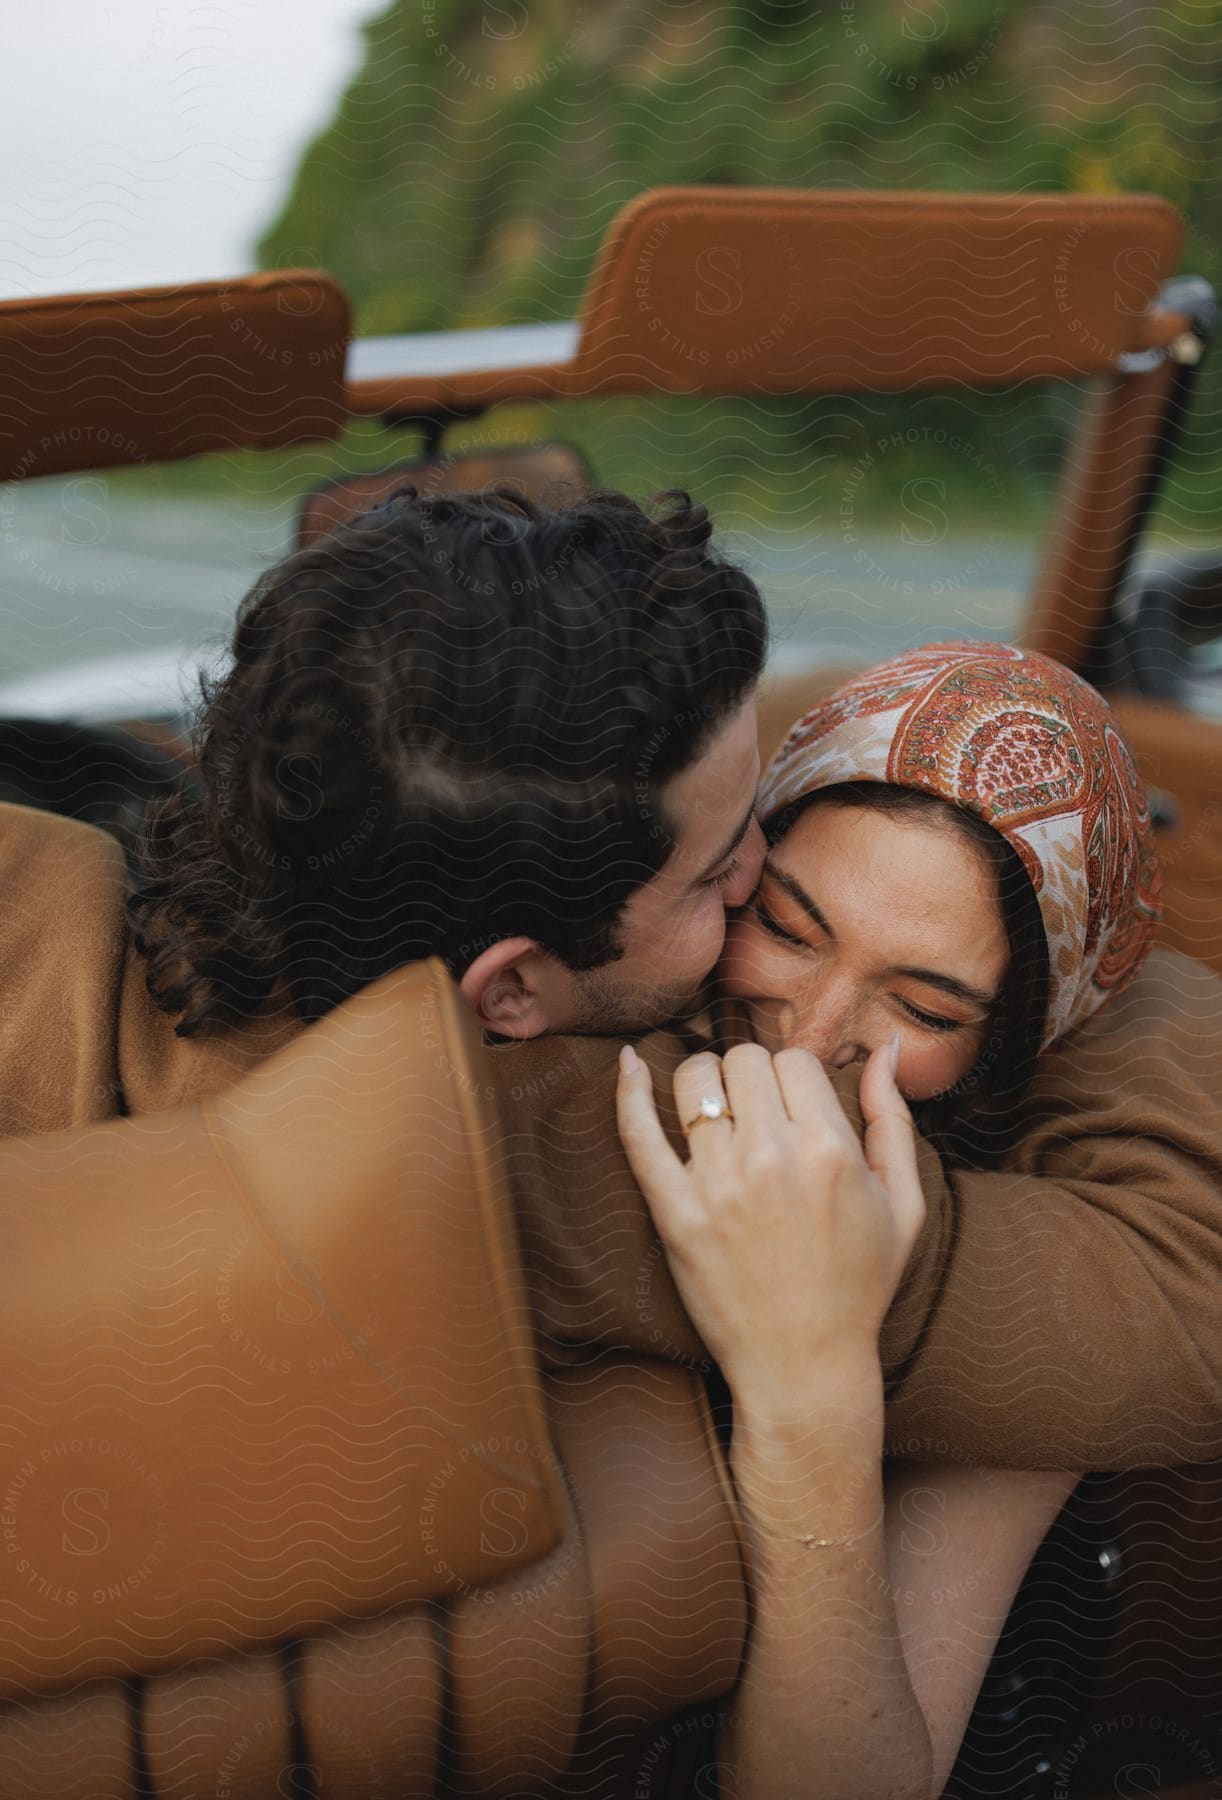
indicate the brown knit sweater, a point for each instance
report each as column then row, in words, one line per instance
column 1064, row 1311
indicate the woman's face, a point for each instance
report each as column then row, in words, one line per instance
column 864, row 925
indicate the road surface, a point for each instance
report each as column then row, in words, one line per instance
column 93, row 582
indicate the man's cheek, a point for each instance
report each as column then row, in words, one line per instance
column 714, row 926
column 692, row 942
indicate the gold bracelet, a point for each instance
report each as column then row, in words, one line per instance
column 817, row 1543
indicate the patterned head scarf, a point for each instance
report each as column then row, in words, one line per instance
column 1033, row 750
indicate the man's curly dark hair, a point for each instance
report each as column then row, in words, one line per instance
column 448, row 721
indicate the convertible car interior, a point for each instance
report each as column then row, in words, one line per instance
column 491, row 1568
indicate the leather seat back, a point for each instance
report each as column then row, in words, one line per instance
column 639, row 1612
column 290, row 1463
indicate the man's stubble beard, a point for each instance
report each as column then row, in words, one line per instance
column 610, row 1008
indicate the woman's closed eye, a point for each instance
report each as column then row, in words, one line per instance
column 775, row 927
column 932, row 1021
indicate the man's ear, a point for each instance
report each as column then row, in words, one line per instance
column 501, row 987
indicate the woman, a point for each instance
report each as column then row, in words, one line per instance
column 961, row 869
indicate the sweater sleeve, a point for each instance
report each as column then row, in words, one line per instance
column 62, row 942
column 1066, row 1311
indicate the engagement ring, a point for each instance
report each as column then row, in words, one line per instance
column 709, row 1109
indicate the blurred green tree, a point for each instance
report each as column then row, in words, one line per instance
column 478, row 156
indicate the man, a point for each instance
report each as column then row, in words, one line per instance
column 518, row 739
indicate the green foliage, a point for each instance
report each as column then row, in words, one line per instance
column 482, row 150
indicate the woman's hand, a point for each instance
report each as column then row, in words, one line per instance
column 784, row 1239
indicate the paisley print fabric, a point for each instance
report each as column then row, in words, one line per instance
column 1032, row 749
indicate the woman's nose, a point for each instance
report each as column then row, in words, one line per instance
column 830, row 1027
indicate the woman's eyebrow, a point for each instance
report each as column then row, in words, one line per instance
column 947, row 984
column 798, row 893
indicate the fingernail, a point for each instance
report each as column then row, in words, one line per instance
column 893, row 1055
column 629, row 1061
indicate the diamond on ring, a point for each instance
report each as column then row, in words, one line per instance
column 709, row 1109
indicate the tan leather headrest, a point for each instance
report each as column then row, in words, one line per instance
column 268, row 1359
column 772, row 290
column 96, row 380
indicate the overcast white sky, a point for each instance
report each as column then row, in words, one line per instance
column 150, row 141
